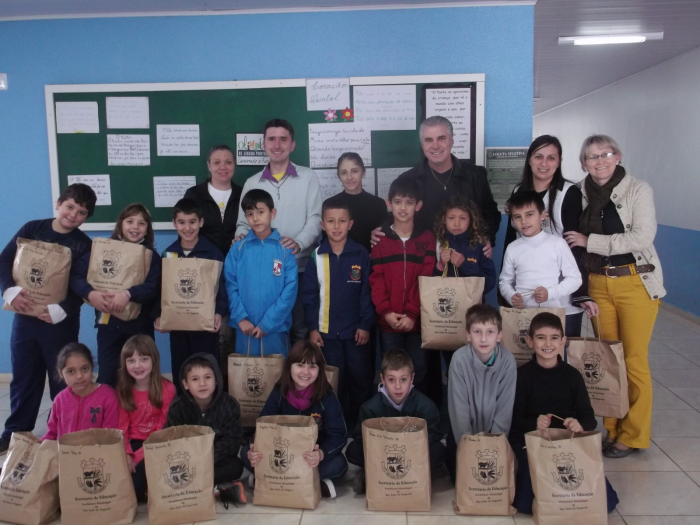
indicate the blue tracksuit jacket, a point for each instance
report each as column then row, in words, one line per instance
column 475, row 264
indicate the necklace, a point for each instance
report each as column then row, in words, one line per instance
column 279, row 185
column 444, row 186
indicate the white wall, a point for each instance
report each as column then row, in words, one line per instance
column 655, row 118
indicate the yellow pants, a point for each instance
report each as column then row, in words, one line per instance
column 627, row 314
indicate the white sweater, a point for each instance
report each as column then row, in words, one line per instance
column 543, row 260
column 298, row 209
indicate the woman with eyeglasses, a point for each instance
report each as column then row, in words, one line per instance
column 617, row 229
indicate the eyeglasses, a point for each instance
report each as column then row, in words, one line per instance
column 605, row 155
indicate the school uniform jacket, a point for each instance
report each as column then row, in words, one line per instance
column 475, row 264
column 335, row 291
column 396, row 266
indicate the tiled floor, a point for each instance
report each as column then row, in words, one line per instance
column 658, row 486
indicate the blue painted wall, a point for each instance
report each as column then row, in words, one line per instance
column 679, row 252
column 497, row 41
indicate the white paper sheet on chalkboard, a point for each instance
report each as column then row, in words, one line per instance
column 455, row 105
column 327, row 142
column 385, row 176
column 99, row 184
column 127, row 113
column 178, row 140
column 331, row 184
column 327, row 93
column 168, row 190
column 385, row 107
column 77, row 117
column 128, row 150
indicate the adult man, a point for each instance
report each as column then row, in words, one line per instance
column 297, row 195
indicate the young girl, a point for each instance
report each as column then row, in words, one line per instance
column 304, row 390
column 83, row 404
column 133, row 225
column 144, row 399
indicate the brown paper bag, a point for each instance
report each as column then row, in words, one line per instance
column 444, row 302
column 116, row 266
column 29, row 481
column 567, row 475
column 283, row 478
column 42, row 268
column 485, row 484
column 397, row 464
column 180, row 475
column 94, row 479
column 251, row 379
column 332, row 374
column 188, row 295
column 516, row 323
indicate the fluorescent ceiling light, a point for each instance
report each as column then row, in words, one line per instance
column 593, row 40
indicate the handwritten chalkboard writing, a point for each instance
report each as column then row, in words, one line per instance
column 128, row 150
column 178, row 140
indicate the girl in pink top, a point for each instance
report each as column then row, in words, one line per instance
column 83, row 404
column 144, row 399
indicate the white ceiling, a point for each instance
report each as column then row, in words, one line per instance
column 561, row 72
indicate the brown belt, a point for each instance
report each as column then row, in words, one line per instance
column 621, row 271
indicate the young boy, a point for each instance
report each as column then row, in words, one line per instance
column 261, row 279
column 396, row 398
column 205, row 403
column 187, row 218
column 547, row 387
column 401, row 256
column 481, row 386
column 338, row 306
column 538, row 268
column 36, row 341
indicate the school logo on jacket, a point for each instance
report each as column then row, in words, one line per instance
column 255, row 387
column 276, row 267
column 565, row 475
column 591, row 371
column 487, row 471
column 471, row 260
column 355, row 272
column 280, row 459
column 94, row 479
column 188, row 286
column 179, row 475
column 35, row 276
column 109, row 266
column 519, row 338
column 446, row 306
column 397, row 465
column 21, row 470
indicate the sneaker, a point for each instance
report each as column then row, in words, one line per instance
column 358, row 485
column 327, row 489
column 251, row 480
column 4, row 445
column 232, row 493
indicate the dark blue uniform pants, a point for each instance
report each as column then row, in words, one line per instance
column 184, row 344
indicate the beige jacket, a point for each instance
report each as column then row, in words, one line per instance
column 634, row 200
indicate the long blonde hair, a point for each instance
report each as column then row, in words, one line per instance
column 146, row 347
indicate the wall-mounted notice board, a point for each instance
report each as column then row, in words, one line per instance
column 149, row 142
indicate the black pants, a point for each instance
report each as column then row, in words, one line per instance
column 184, row 344
column 139, row 477
column 109, row 349
column 356, row 456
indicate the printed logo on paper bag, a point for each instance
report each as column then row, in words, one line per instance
column 566, row 476
column 487, row 471
column 179, row 475
column 396, row 466
column 446, row 306
column 188, row 286
column 94, row 479
column 519, row 338
column 35, row 276
column 21, row 470
column 110, row 267
column 276, row 267
column 255, row 386
column 280, row 459
column 355, row 272
column 591, row 371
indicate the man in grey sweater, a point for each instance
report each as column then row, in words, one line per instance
column 481, row 386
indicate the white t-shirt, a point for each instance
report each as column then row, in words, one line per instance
column 220, row 197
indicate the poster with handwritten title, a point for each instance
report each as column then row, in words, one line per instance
column 455, row 105
column 128, row 150
column 327, row 93
column 77, row 117
column 99, row 184
column 168, row 190
column 327, row 142
column 178, row 140
column 385, row 107
column 127, row 113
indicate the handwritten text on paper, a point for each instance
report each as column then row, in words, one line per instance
column 127, row 113
column 99, row 184
column 178, row 140
column 327, row 142
column 77, row 117
column 385, row 107
column 128, row 150
column 455, row 105
column 168, row 190
column 327, row 93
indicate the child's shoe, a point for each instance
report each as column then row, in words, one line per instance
column 251, row 480
column 358, row 484
column 231, row 493
column 327, row 489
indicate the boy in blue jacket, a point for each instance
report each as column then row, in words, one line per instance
column 188, row 219
column 261, row 280
column 338, row 306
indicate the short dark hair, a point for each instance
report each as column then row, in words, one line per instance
column 82, row 194
column 72, row 349
column 195, row 362
column 484, row 313
column 279, row 123
column 396, row 360
column 221, row 147
column 545, row 320
column 335, row 204
column 521, row 199
column 251, row 199
column 404, row 187
column 187, row 206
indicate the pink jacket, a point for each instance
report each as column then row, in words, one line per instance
column 71, row 413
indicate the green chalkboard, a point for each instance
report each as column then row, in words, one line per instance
column 221, row 112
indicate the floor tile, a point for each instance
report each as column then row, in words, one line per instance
column 651, row 459
column 662, row 520
column 372, row 519
column 459, row 520
column 689, row 395
column 685, row 452
column 664, row 399
column 443, row 494
column 695, row 476
column 685, row 323
column 655, row 493
column 665, row 329
column 254, row 519
column 670, row 362
column 675, row 423
column 691, row 353
column 677, row 378
column 657, row 347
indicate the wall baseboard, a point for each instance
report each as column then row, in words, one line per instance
column 681, row 313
